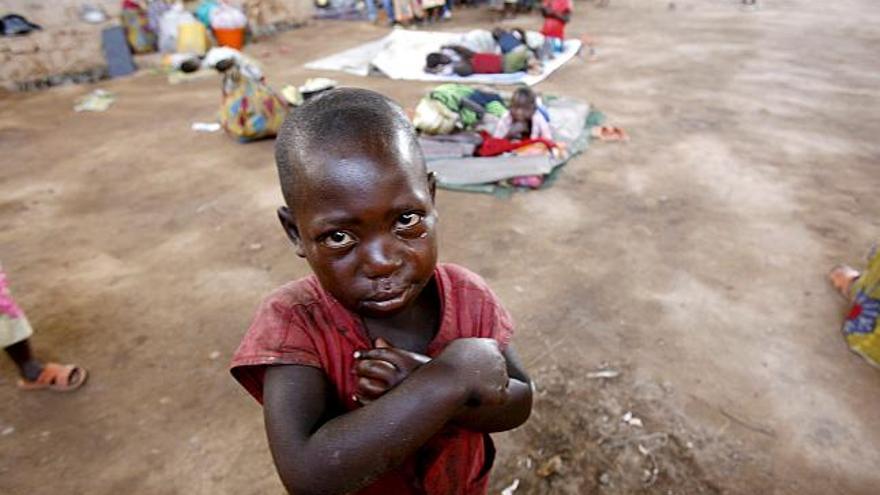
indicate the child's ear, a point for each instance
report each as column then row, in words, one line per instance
column 285, row 216
column 432, row 184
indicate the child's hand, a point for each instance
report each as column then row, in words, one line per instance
column 517, row 131
column 478, row 365
column 381, row 369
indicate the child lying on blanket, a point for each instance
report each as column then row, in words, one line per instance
column 523, row 120
column 462, row 61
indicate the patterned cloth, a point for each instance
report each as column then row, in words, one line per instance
column 14, row 326
column 862, row 326
column 251, row 110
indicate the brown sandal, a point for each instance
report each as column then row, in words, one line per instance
column 609, row 133
column 57, row 377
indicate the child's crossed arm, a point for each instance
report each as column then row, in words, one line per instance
column 316, row 451
column 381, row 369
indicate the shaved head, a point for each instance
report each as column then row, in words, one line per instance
column 320, row 137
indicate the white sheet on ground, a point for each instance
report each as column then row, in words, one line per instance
column 401, row 55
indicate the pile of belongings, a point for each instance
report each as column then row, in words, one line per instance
column 159, row 25
column 458, row 132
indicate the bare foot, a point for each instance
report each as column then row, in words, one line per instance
column 842, row 278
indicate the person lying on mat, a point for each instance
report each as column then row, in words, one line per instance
column 456, row 59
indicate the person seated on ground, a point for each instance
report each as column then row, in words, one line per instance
column 384, row 372
column 557, row 13
column 15, row 333
column 433, row 10
column 510, row 8
column 523, row 119
column 862, row 290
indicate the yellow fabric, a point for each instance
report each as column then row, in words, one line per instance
column 862, row 326
column 192, row 37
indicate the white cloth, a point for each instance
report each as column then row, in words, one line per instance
column 479, row 41
column 540, row 127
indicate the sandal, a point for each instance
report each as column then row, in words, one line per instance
column 57, row 377
column 842, row 277
column 609, row 133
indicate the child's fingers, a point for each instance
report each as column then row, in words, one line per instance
column 369, row 388
column 375, row 369
column 387, row 354
column 401, row 359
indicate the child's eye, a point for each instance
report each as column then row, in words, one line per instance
column 338, row 240
column 408, row 220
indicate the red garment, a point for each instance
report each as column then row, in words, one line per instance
column 555, row 28
column 487, row 63
column 493, row 146
column 300, row 323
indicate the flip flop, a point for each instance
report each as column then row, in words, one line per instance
column 57, row 377
column 609, row 133
column 842, row 277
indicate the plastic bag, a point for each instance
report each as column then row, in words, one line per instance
column 205, row 10
column 433, row 117
column 192, row 37
column 251, row 110
column 226, row 17
column 168, row 27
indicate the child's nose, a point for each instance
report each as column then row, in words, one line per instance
column 380, row 259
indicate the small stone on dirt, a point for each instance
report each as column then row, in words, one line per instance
column 552, row 466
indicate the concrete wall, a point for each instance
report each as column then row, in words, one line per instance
column 70, row 49
column 66, row 45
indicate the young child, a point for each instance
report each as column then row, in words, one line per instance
column 384, row 372
column 523, row 120
column 556, row 14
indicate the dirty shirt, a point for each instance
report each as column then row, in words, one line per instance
column 301, row 324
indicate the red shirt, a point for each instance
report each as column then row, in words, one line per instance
column 555, row 28
column 300, row 323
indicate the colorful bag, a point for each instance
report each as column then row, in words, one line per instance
column 862, row 326
column 251, row 110
column 141, row 38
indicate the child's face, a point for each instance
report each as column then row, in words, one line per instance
column 365, row 223
column 522, row 109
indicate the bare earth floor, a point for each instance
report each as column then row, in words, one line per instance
column 691, row 259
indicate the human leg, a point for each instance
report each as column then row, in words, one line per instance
column 28, row 367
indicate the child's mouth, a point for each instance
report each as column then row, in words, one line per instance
column 385, row 300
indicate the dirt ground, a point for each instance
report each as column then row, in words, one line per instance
column 691, row 260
